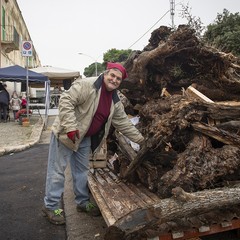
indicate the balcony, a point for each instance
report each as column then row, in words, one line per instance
column 9, row 38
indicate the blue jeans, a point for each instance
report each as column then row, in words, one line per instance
column 58, row 157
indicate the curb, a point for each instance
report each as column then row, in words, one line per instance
column 33, row 139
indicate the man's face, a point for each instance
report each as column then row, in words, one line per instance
column 113, row 79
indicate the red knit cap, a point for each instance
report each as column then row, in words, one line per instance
column 118, row 66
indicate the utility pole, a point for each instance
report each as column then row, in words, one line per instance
column 172, row 11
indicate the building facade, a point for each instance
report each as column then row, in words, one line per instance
column 13, row 31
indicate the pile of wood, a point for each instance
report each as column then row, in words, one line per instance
column 176, row 60
column 175, row 85
column 187, row 95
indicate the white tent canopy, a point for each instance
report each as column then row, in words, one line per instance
column 62, row 77
column 54, row 73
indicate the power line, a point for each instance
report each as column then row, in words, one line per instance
column 172, row 9
column 150, row 28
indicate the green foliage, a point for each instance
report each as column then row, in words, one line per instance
column 193, row 22
column 114, row 55
column 176, row 71
column 224, row 33
column 90, row 71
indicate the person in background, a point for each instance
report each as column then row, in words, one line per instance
column 24, row 101
column 86, row 112
column 4, row 102
column 22, row 111
column 57, row 89
column 56, row 94
column 15, row 103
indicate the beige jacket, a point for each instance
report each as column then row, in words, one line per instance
column 77, row 107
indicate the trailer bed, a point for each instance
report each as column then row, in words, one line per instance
column 117, row 198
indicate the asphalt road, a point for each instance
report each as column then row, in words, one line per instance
column 22, row 177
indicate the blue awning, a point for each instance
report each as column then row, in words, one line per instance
column 19, row 74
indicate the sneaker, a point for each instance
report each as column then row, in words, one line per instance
column 89, row 208
column 54, row 216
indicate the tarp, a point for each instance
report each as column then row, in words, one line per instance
column 54, row 73
column 17, row 73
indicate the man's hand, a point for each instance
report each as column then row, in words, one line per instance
column 73, row 135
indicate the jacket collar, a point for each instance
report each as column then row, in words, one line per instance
column 98, row 83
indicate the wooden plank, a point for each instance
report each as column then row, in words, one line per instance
column 99, row 160
column 142, row 194
column 97, row 163
column 165, row 93
column 106, row 213
column 193, row 92
column 135, row 196
column 121, row 191
column 114, row 176
column 112, row 198
column 218, row 134
column 152, row 195
column 229, row 103
column 133, row 201
column 115, row 198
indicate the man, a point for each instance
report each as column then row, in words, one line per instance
column 86, row 112
column 4, row 102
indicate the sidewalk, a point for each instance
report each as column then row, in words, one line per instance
column 15, row 138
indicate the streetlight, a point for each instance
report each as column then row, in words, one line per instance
column 95, row 60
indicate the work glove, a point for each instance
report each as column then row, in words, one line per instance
column 73, row 135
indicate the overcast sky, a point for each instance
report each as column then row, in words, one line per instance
column 61, row 29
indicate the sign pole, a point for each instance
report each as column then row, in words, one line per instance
column 27, row 52
column 27, row 90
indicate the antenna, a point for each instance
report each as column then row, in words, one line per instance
column 172, row 11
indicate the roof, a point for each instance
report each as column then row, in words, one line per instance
column 54, row 73
column 20, row 74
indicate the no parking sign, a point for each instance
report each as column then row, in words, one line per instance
column 26, row 48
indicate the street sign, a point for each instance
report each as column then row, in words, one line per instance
column 27, row 52
column 26, row 48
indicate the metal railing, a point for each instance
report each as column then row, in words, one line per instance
column 10, row 35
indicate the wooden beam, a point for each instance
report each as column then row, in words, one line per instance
column 218, row 134
column 193, row 92
column 169, row 209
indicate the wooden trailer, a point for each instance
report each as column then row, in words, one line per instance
column 133, row 212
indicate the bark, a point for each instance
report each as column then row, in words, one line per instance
column 179, row 153
column 200, row 166
column 181, row 205
column 218, row 134
column 176, row 60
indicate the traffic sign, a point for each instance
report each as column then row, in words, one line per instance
column 27, row 48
